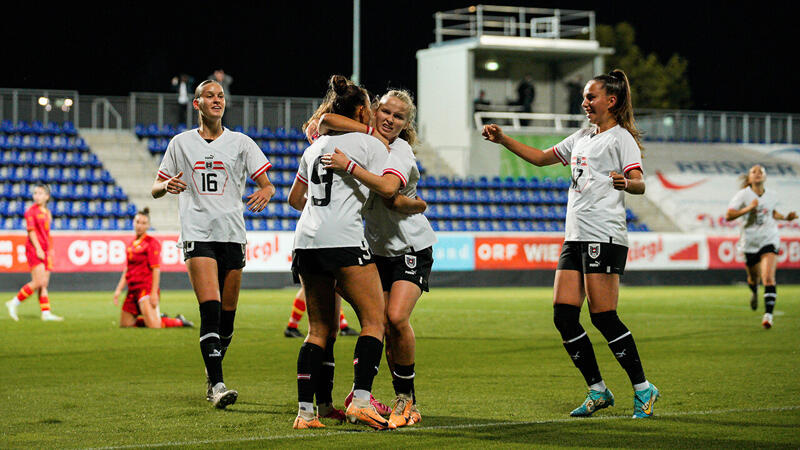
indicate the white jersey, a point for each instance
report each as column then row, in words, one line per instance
column 215, row 174
column 758, row 227
column 595, row 210
column 332, row 215
column 390, row 233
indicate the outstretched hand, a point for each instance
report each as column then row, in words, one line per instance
column 175, row 185
column 258, row 200
column 791, row 216
column 336, row 160
column 312, row 131
column 493, row 133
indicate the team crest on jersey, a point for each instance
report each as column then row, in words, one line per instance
column 209, row 162
column 411, row 261
column 594, row 250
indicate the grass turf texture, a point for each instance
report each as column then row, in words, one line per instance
column 490, row 365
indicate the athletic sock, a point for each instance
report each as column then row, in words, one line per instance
column 403, row 379
column 298, row 309
column 210, row 345
column 44, row 303
column 309, row 362
column 770, row 296
column 167, row 322
column 324, row 389
column 366, row 359
column 599, row 386
column 226, row 329
column 620, row 341
column 576, row 342
column 342, row 321
column 24, row 292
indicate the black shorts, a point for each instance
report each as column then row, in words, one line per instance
column 325, row 261
column 229, row 255
column 593, row 257
column 414, row 267
column 751, row 259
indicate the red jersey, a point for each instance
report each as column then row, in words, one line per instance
column 37, row 219
column 144, row 255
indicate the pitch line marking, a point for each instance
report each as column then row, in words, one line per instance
column 302, row 435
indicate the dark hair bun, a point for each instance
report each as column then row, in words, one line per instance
column 338, row 84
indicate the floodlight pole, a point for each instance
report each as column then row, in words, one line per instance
column 356, row 41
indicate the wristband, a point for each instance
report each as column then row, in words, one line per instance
column 315, row 136
column 370, row 130
column 351, row 166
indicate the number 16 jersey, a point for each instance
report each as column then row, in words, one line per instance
column 215, row 173
column 332, row 215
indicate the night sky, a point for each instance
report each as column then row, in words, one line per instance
column 738, row 56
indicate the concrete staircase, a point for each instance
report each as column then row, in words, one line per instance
column 650, row 214
column 130, row 163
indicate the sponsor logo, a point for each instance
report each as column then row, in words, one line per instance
column 411, row 272
column 594, row 251
column 621, row 354
column 575, row 356
column 411, row 261
column 674, row 186
column 215, row 354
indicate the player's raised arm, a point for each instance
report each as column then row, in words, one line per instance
column 733, row 214
column 494, row 133
column 385, row 186
column 331, row 121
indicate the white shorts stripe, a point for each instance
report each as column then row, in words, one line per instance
column 575, row 339
column 209, row 335
column 615, row 340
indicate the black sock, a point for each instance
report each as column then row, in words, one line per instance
column 309, row 361
column 770, row 296
column 366, row 359
column 209, row 340
column 576, row 341
column 753, row 288
column 621, row 343
column 226, row 329
column 324, row 389
column 403, row 379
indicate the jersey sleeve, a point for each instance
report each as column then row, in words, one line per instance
column 169, row 165
column 30, row 220
column 630, row 155
column 399, row 163
column 154, row 254
column 563, row 150
column 256, row 162
column 302, row 169
column 737, row 202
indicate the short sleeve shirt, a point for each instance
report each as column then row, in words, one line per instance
column 211, row 208
column 332, row 215
column 143, row 255
column 759, row 228
column 595, row 210
column 391, row 233
column 38, row 219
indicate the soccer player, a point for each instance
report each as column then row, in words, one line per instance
column 605, row 160
column 330, row 253
column 142, row 275
column 207, row 167
column 759, row 239
column 402, row 243
column 299, row 308
column 39, row 253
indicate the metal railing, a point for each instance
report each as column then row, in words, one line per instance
column 482, row 20
column 719, row 126
column 108, row 112
column 125, row 112
column 531, row 122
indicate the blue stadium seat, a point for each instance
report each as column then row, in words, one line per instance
column 68, row 128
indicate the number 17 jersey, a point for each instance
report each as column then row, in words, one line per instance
column 332, row 215
column 215, row 173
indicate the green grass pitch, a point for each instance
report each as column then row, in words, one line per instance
column 491, row 372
